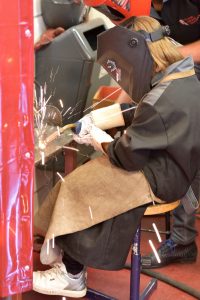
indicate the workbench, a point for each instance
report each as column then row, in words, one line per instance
column 56, row 147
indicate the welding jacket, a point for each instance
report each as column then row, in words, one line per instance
column 163, row 137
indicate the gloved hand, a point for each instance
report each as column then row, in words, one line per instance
column 83, row 137
column 95, row 138
column 98, row 137
column 86, row 125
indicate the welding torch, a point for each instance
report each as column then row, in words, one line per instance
column 104, row 118
column 76, row 128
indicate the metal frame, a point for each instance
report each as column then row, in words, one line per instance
column 134, row 276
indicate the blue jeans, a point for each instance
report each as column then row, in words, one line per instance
column 183, row 231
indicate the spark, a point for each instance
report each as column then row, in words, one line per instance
column 45, row 88
column 39, row 113
column 42, row 157
column 73, row 109
column 53, row 241
column 105, row 98
column 90, row 210
column 155, row 251
column 51, row 74
column 95, row 104
column 74, row 115
column 61, row 177
column 47, row 246
column 67, row 111
column 41, row 145
column 71, row 148
column 55, row 73
column 119, row 112
column 46, row 102
column 77, row 150
column 58, row 130
column 61, row 103
column 157, row 232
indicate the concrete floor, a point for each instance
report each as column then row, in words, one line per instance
column 116, row 284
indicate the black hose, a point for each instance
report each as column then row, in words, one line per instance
column 179, row 285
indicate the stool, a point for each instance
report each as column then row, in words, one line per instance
column 136, row 259
column 136, row 256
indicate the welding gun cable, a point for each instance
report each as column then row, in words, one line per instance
column 55, row 134
column 177, row 284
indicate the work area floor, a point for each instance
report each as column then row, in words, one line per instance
column 116, row 284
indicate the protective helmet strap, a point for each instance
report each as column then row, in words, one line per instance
column 149, row 36
column 156, row 35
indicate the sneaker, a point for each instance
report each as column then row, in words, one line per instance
column 56, row 281
column 170, row 252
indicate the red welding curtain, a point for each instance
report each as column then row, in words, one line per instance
column 16, row 145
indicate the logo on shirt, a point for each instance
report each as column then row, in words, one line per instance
column 123, row 3
column 190, row 20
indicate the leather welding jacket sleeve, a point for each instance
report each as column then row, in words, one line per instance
column 146, row 133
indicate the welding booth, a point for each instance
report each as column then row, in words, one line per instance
column 16, row 146
column 67, row 65
column 66, row 69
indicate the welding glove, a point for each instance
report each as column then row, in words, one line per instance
column 108, row 117
column 98, row 137
column 103, row 118
column 86, row 125
column 95, row 138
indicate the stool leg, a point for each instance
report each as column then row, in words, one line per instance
column 167, row 224
column 135, row 267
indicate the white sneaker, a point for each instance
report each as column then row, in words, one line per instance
column 56, row 281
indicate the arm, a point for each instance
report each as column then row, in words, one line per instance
column 48, row 36
column 146, row 133
column 108, row 117
column 192, row 49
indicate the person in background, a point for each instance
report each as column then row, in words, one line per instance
column 58, row 16
column 91, row 216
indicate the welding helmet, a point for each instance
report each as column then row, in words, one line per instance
column 125, row 55
column 63, row 13
column 119, row 10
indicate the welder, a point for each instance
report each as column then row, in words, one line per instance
column 182, row 19
column 93, row 214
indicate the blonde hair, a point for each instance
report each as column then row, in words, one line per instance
column 164, row 51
